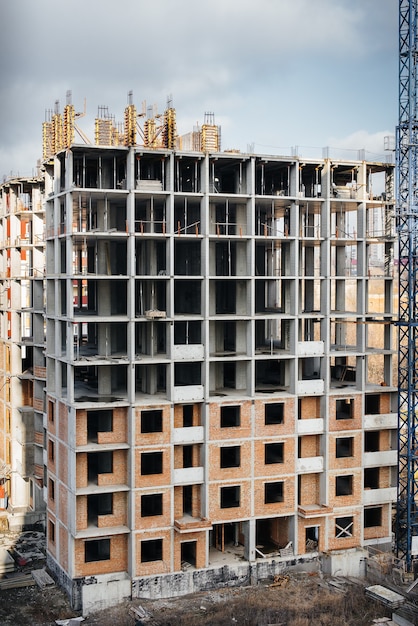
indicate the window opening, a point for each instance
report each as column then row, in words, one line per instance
column 273, row 492
column 343, row 527
column 230, row 497
column 230, row 416
column 344, row 447
column 230, row 456
column 151, row 463
column 274, row 413
column 273, row 453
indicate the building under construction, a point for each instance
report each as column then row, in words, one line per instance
column 220, row 376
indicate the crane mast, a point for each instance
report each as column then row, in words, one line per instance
column 406, row 526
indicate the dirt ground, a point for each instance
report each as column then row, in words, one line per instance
column 301, row 601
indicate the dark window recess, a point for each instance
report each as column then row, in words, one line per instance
column 373, row 517
column 151, row 463
column 99, row 504
column 152, row 421
column 273, row 453
column 371, row 441
column 151, row 504
column 187, row 415
column 51, row 529
column 97, row 550
column 273, row 492
column 187, row 297
column 230, row 456
column 274, row 413
column 187, row 374
column 344, row 409
column 51, row 485
column 51, row 450
column 230, row 416
column 371, row 478
column 230, row 497
column 343, row 527
column 372, row 404
column 99, row 463
column 187, row 332
column 187, row 456
column 151, row 550
column 344, row 485
column 99, row 422
column 344, row 447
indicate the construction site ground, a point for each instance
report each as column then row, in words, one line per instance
column 29, row 596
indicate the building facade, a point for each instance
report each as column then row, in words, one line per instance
column 22, row 357
column 220, row 363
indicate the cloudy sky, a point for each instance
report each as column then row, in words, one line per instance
column 276, row 73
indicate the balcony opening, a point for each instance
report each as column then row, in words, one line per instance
column 99, row 463
column 187, row 258
column 187, row 178
column 371, row 441
column 98, row 422
column 372, row 404
column 226, row 258
column 187, row 415
column 373, row 517
column 188, row 500
column 343, row 527
column 188, row 456
column 269, row 375
column 187, row 374
column 187, row 297
column 97, row 550
column 344, row 409
column 272, row 535
column 344, row 485
column 230, row 497
column 273, row 492
column 151, row 504
column 230, row 456
column 188, row 554
column 274, row 413
column 273, row 453
column 230, row 416
column 151, row 550
column 151, row 463
column 152, row 421
column 371, row 477
column 226, row 300
column 311, row 538
column 99, row 504
column 187, row 332
column 344, row 447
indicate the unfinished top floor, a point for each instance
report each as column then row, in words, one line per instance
column 225, row 173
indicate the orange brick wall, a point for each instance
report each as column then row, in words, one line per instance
column 303, row 524
column 119, row 476
column 154, row 521
column 152, row 480
column 63, row 502
column 216, row 472
column 152, row 439
column 63, row 547
column 272, row 430
column 200, row 539
column 309, row 489
column 286, row 507
column 348, row 500
column 274, row 469
column 155, row 567
column 345, row 462
column 81, row 470
column 241, row 432
column 345, row 424
column 374, row 532
column 120, row 512
column 63, row 462
column 118, row 561
column 310, row 408
column 216, row 514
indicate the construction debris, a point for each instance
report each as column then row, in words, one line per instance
column 280, row 580
column 42, row 578
column 384, row 595
column 15, row 582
